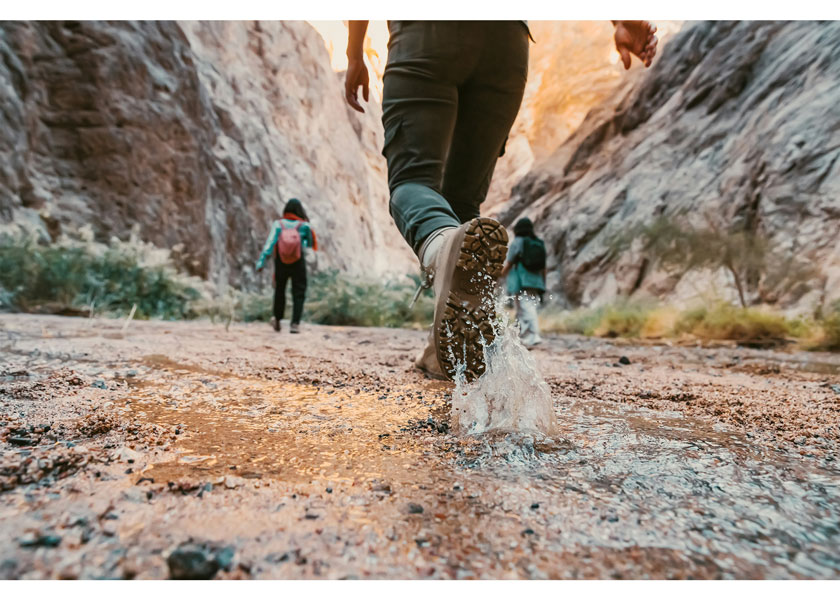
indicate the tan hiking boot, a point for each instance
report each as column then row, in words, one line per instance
column 294, row 328
column 275, row 323
column 466, row 267
column 427, row 362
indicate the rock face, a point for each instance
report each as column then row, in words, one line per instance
column 573, row 67
column 735, row 121
column 194, row 133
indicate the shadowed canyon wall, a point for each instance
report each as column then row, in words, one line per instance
column 195, row 134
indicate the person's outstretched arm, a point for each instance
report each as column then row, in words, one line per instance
column 357, row 73
column 635, row 37
column 269, row 244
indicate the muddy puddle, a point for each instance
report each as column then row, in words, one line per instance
column 672, row 495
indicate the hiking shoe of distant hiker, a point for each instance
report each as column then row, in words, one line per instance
column 427, row 363
column 466, row 267
column 294, row 328
column 275, row 323
column 532, row 341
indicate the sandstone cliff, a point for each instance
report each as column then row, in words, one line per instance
column 735, row 120
column 194, row 133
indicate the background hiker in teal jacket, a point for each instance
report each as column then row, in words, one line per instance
column 525, row 271
column 286, row 241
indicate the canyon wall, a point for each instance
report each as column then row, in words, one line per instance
column 737, row 122
column 194, row 134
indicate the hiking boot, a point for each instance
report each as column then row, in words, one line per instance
column 427, row 362
column 294, row 328
column 275, row 323
column 465, row 269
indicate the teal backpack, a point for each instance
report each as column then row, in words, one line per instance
column 533, row 255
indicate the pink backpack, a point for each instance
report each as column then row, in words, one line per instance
column 288, row 245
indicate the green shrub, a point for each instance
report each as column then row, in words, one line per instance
column 336, row 299
column 77, row 276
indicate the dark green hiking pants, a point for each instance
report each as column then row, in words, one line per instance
column 452, row 90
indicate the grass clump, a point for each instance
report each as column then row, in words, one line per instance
column 622, row 319
column 829, row 336
column 719, row 321
column 333, row 298
column 723, row 321
column 79, row 276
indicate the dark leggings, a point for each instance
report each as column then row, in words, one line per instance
column 282, row 273
column 451, row 93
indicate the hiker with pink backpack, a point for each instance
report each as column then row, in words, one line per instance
column 286, row 241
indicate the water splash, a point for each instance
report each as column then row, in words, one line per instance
column 511, row 395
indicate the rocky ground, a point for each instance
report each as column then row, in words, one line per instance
column 155, row 450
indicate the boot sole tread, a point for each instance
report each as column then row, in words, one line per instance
column 469, row 311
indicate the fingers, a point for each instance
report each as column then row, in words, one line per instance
column 650, row 52
column 625, row 56
column 351, row 93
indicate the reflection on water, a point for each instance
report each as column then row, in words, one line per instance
column 635, row 485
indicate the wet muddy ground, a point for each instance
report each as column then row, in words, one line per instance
column 185, row 449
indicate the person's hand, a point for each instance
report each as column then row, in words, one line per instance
column 259, row 269
column 636, row 37
column 357, row 75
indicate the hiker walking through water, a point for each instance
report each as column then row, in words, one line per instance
column 287, row 241
column 452, row 90
column 525, row 272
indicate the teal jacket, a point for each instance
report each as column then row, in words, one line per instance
column 307, row 238
column 520, row 278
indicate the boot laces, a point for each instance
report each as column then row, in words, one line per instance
column 426, row 281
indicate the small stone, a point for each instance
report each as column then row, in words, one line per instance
column 37, row 540
column 224, row 557
column 535, row 506
column 382, row 487
column 624, row 360
column 329, row 490
column 414, row 509
column 99, row 383
column 528, row 531
column 21, row 441
column 230, row 482
column 835, row 387
column 192, row 561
